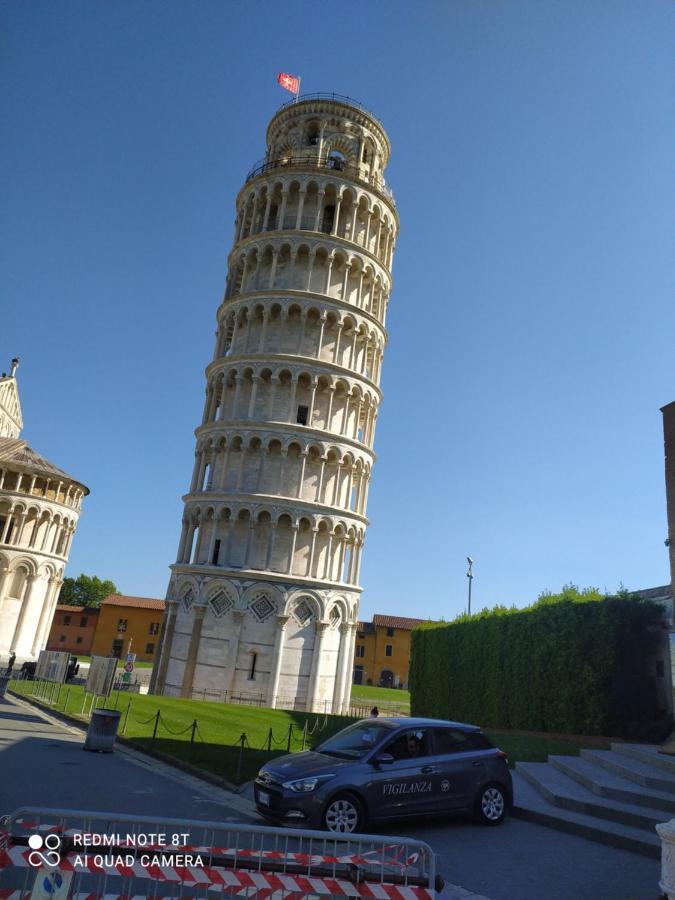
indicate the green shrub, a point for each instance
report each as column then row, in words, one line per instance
column 574, row 663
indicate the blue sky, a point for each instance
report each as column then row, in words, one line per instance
column 532, row 320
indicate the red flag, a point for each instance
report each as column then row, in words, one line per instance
column 290, row 82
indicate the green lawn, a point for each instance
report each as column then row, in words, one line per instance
column 220, row 726
column 382, row 697
column 137, row 664
column 536, row 747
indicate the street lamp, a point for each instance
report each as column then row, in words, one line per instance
column 469, row 575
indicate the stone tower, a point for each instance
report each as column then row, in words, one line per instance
column 264, row 595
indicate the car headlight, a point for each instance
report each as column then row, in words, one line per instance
column 306, row 785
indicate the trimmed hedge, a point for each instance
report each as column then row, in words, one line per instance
column 572, row 666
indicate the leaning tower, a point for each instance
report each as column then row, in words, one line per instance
column 263, row 599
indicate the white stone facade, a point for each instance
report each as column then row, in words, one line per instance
column 39, row 509
column 263, row 598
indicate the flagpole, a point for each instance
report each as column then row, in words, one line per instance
column 297, row 93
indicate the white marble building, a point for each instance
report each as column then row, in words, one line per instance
column 39, row 508
column 264, row 594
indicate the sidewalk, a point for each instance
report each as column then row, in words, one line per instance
column 42, row 763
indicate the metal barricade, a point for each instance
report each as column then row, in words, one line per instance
column 81, row 854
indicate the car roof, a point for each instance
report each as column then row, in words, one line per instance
column 420, row 722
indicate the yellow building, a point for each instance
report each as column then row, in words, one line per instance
column 382, row 653
column 129, row 624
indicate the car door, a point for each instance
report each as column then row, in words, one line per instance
column 460, row 765
column 404, row 787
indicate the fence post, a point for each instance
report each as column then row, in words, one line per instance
column 290, row 732
column 192, row 736
column 84, row 700
column 126, row 718
column 242, row 741
column 65, row 705
column 154, row 730
column 269, row 739
column 304, row 735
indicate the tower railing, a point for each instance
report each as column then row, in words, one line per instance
column 337, row 98
column 315, row 162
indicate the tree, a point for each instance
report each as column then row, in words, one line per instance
column 86, row 591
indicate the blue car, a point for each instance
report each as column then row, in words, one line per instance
column 382, row 768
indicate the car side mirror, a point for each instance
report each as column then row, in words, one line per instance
column 382, row 759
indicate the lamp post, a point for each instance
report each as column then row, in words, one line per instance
column 469, row 575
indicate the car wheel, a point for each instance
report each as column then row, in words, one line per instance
column 491, row 804
column 344, row 814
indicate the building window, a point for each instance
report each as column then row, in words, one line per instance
column 121, row 624
column 388, row 650
column 216, row 552
column 83, row 622
column 149, row 648
column 62, row 639
column 303, row 412
column 154, row 628
column 78, row 640
column 251, row 671
column 360, row 652
column 66, row 620
column 390, row 632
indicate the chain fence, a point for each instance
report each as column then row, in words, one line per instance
column 297, row 737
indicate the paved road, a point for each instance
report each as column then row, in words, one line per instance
column 42, row 763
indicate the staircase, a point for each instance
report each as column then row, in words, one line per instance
column 616, row 796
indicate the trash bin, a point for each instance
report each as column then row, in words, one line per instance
column 102, row 730
column 4, row 681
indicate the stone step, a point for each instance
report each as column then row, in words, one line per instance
column 562, row 791
column 604, row 783
column 529, row 804
column 646, row 753
column 631, row 769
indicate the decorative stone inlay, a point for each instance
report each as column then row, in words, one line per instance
column 187, row 600
column 220, row 603
column 262, row 607
column 303, row 612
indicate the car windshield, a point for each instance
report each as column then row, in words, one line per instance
column 356, row 740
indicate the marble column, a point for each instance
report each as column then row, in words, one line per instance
column 45, row 618
column 193, row 651
column 314, row 678
column 278, row 656
column 25, row 603
column 158, row 678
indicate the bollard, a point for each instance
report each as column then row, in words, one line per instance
column 290, row 734
column 192, row 736
column 269, row 739
column 154, row 730
column 126, row 718
column 304, row 734
column 242, row 741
